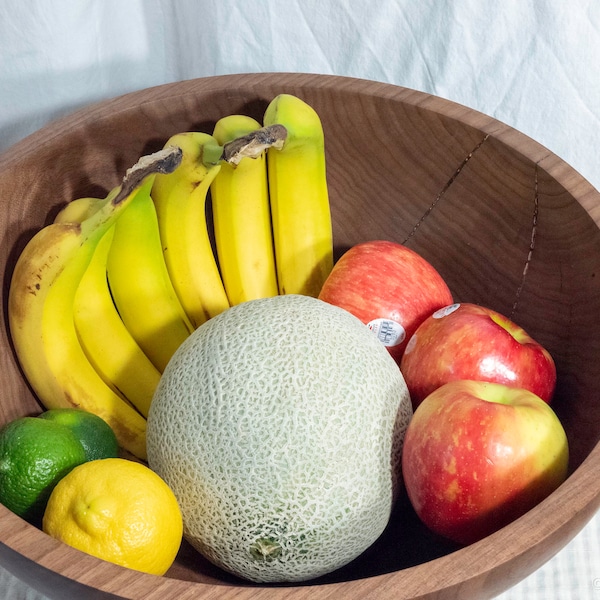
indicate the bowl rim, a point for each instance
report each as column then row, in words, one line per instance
column 580, row 492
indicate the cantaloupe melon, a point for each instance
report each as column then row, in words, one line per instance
column 279, row 425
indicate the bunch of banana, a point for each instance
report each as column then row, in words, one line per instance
column 100, row 300
column 180, row 200
column 41, row 304
column 242, row 218
column 299, row 198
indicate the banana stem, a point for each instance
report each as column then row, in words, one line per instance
column 254, row 143
column 163, row 161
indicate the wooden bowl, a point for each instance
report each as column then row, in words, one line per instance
column 506, row 222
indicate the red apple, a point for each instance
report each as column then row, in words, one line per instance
column 388, row 287
column 479, row 455
column 467, row 341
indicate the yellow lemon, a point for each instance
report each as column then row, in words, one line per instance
column 117, row 510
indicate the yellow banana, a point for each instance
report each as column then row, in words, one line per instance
column 180, row 200
column 140, row 285
column 40, row 310
column 106, row 341
column 242, row 219
column 299, row 198
column 80, row 209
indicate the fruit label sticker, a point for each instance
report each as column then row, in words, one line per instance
column 444, row 312
column 390, row 333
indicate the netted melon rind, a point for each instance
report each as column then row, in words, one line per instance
column 285, row 455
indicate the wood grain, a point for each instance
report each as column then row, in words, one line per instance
column 455, row 185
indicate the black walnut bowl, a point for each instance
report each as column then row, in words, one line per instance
column 505, row 221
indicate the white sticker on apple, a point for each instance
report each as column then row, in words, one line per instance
column 390, row 333
column 444, row 312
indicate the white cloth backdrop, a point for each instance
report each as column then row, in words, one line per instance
column 532, row 64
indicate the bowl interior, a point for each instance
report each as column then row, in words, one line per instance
column 506, row 223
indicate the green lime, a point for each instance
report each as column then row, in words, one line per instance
column 95, row 434
column 35, row 454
